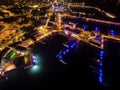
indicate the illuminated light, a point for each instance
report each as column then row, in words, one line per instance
column 34, row 61
column 36, row 64
column 110, row 15
column 71, row 46
column 10, row 67
column 102, row 52
column 60, row 57
column 84, row 27
column 67, row 50
column 66, row 32
column 13, row 54
column 102, row 46
column 35, row 69
column 100, row 71
column 6, row 78
column 52, row 6
column 112, row 32
column 74, row 44
column 33, row 57
column 102, row 40
column 101, row 58
column 27, row 52
column 101, row 74
column 64, row 52
column 18, row 52
column 35, row 6
column 38, row 9
column 101, row 64
column 26, row 59
column 63, row 62
column 96, row 29
column 15, row 67
column 98, row 38
column 37, row 60
column 74, row 25
column 98, row 60
column 100, row 79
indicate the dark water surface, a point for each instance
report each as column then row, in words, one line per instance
column 53, row 74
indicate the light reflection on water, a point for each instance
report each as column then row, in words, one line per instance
column 37, row 67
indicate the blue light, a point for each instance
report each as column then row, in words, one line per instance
column 112, row 32
column 101, row 64
column 101, row 74
column 33, row 62
column 74, row 44
column 101, row 58
column 67, row 50
column 60, row 57
column 100, row 79
column 84, row 27
column 102, row 52
column 101, row 55
column 100, row 71
column 64, row 53
column 71, row 46
column 96, row 29
column 98, row 38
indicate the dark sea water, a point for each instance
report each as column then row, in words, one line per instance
column 53, row 74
